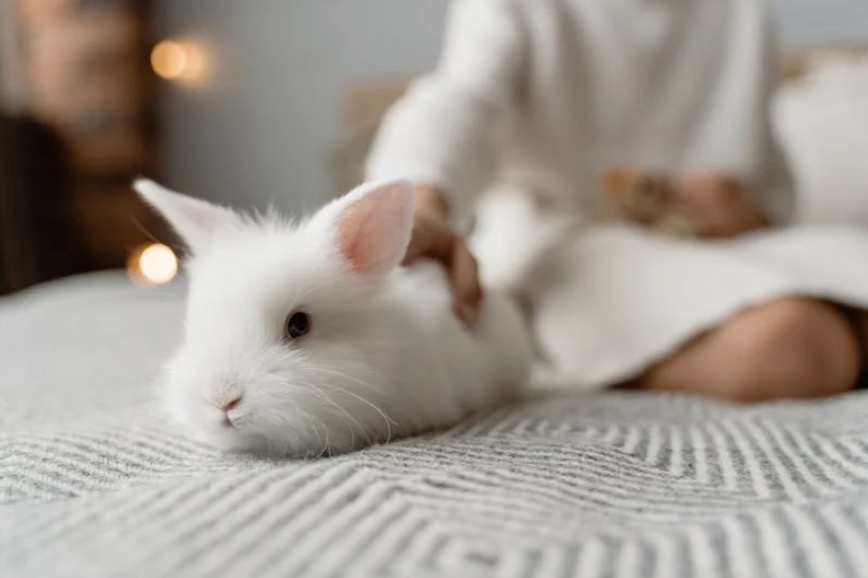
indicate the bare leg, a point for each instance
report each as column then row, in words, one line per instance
column 789, row 348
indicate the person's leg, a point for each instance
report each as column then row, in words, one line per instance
column 789, row 348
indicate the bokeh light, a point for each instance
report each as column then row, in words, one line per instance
column 169, row 59
column 153, row 264
column 179, row 60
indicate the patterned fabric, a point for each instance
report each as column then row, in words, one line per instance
column 94, row 483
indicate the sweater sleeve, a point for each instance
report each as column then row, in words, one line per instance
column 446, row 130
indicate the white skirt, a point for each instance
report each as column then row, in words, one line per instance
column 612, row 300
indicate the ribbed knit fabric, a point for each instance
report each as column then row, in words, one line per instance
column 93, row 483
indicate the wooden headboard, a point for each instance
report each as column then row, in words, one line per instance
column 797, row 64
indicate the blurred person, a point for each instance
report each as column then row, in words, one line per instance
column 533, row 101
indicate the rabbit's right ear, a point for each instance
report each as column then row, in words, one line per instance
column 198, row 222
column 371, row 226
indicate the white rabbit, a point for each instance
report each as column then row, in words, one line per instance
column 304, row 339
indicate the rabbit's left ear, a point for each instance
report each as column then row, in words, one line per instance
column 198, row 222
column 372, row 226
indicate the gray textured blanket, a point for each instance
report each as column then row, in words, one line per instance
column 94, row 483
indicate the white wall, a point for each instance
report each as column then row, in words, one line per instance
column 807, row 22
column 264, row 130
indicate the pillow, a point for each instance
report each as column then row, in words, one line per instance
column 821, row 120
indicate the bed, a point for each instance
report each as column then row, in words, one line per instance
column 95, row 482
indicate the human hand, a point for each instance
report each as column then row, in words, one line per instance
column 433, row 238
column 717, row 206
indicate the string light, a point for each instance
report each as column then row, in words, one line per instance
column 153, row 264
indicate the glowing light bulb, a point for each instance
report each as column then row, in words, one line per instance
column 154, row 264
column 179, row 60
column 169, row 59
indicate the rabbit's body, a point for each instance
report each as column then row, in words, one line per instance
column 309, row 338
column 456, row 371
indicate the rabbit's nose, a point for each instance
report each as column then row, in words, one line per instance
column 230, row 404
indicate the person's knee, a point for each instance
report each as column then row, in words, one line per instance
column 793, row 348
column 790, row 348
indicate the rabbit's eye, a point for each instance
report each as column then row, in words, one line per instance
column 298, row 324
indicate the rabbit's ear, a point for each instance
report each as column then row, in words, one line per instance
column 372, row 226
column 197, row 222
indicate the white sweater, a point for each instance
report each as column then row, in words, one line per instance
column 547, row 94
